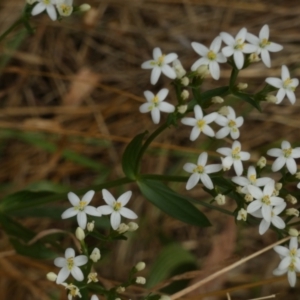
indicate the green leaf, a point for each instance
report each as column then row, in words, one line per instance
column 26, row 199
column 130, row 157
column 248, row 99
column 173, row 204
column 171, row 257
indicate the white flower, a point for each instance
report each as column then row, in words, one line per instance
column 210, row 57
column 230, row 124
column 94, row 297
column 47, row 5
column 200, row 171
column 81, row 208
column 237, row 46
column 160, row 64
column 178, row 68
column 290, row 261
column 274, row 219
column 285, row 156
column 155, row 104
column 286, row 85
column 234, row 156
column 116, row 208
column 64, row 7
column 200, row 123
column 70, row 264
column 264, row 46
column 264, row 200
column 74, row 290
column 251, row 179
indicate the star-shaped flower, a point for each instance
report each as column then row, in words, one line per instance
column 210, row 57
column 155, row 104
column 116, row 208
column 237, row 46
column 286, row 85
column 81, row 208
column 274, row 219
column 47, row 5
column 290, row 261
column 64, row 7
column 200, row 171
column 230, row 124
column 70, row 265
column 160, row 64
column 199, row 123
column 264, row 46
column 285, row 156
column 264, row 200
column 234, row 156
column 251, row 179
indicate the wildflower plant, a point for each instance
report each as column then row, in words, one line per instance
column 254, row 196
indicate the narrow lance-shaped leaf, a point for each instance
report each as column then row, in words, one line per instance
column 172, row 203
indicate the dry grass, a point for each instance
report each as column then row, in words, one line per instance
column 78, row 85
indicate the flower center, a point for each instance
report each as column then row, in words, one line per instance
column 293, row 252
column 211, row 55
column 65, row 9
column 266, row 200
column 287, row 152
column 235, row 153
column 292, row 267
column 287, row 84
column 70, row 263
column 252, row 178
column 81, row 206
column 264, row 42
column 201, row 124
column 117, row 206
column 199, row 169
column 155, row 101
column 46, row 2
column 239, row 45
column 231, row 123
column 159, row 62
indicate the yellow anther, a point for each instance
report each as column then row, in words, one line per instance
column 239, row 44
column 70, row 263
column 199, row 169
column 266, row 200
column 287, row 152
column 211, row 55
column 231, row 123
column 117, row 206
column 201, row 124
column 252, row 178
column 264, row 43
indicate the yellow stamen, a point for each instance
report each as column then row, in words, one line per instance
column 199, row 169
column 211, row 55
column 235, row 153
column 264, row 43
column 239, row 45
column 287, row 152
column 70, row 263
column 201, row 124
column 266, row 200
column 117, row 206
column 252, row 178
column 231, row 123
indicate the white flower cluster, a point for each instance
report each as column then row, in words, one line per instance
column 63, row 7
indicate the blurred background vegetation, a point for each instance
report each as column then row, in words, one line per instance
column 70, row 95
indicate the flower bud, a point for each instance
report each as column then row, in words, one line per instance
column 293, row 232
column 84, row 7
column 132, row 226
column 261, row 162
column 185, row 81
column 122, row 228
column 224, row 111
column 242, row 215
column 291, row 199
column 248, row 198
column 51, row 276
column 297, row 175
column 182, row 109
column 202, row 71
column 278, row 186
column 95, row 255
column 90, row 226
column 220, row 199
column 79, row 233
column 242, row 86
column 217, row 100
column 271, row 99
column 140, row 266
column 239, row 189
column 253, row 57
column 292, row 212
column 140, row 280
column 225, row 165
column 179, row 70
column 64, row 10
column 185, row 94
column 120, row 289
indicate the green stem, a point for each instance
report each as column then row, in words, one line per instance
column 11, row 28
column 233, row 77
column 150, row 139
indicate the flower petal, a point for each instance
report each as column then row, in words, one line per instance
column 115, row 220
column 127, row 213
column 124, row 198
